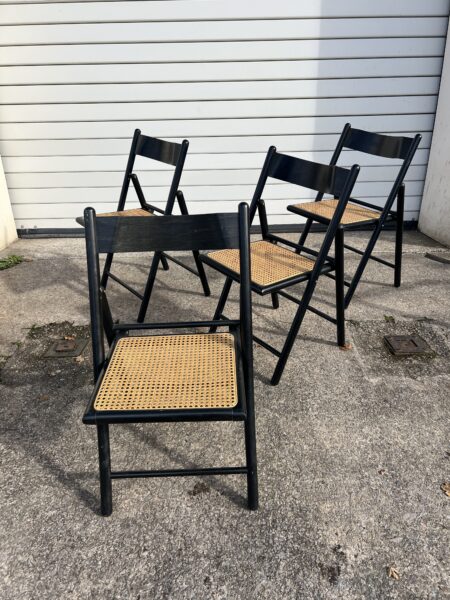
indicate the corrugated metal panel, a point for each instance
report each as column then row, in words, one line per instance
column 233, row 77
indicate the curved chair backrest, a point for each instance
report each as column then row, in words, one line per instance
column 325, row 179
column 170, row 153
column 385, row 146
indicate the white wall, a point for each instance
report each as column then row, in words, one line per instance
column 231, row 76
column 434, row 218
column 7, row 226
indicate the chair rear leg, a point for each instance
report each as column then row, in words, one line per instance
column 201, row 273
column 164, row 263
column 399, row 236
column 340, row 288
column 105, row 470
column 149, row 287
column 222, row 301
column 252, row 473
column 275, row 300
column 106, row 269
column 304, row 234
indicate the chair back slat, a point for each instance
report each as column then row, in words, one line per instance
column 156, row 149
column 385, row 146
column 315, row 176
column 165, row 233
column 169, row 153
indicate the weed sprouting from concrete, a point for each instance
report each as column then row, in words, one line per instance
column 10, row 261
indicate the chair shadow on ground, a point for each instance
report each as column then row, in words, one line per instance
column 71, row 481
column 175, row 457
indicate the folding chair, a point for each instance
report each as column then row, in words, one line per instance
column 360, row 213
column 275, row 267
column 170, row 377
column 171, row 154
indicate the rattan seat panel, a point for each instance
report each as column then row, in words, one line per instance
column 129, row 212
column 353, row 213
column 269, row 263
column 168, row 372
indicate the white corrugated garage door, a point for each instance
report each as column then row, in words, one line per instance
column 231, row 76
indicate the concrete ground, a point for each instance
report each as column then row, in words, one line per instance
column 352, row 447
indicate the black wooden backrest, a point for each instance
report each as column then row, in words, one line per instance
column 172, row 232
column 324, row 179
column 160, row 150
column 385, row 146
column 181, row 232
column 169, row 153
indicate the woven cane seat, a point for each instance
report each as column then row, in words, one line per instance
column 325, row 208
column 164, row 372
column 130, row 212
column 269, row 263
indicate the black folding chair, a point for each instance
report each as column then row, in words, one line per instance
column 171, row 154
column 171, row 377
column 360, row 213
column 274, row 267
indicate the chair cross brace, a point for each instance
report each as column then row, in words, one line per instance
column 180, row 472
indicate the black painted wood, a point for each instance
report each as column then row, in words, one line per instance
column 315, row 176
column 386, row 146
column 170, row 232
column 184, row 232
column 156, row 149
column 390, row 147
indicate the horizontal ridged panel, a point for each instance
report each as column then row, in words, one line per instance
column 233, row 77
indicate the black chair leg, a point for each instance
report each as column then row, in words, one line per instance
column 222, row 301
column 164, row 263
column 106, row 269
column 362, row 264
column 149, row 287
column 275, row 300
column 105, row 470
column 291, row 337
column 252, row 473
column 399, row 236
column 340, row 288
column 201, row 273
column 304, row 234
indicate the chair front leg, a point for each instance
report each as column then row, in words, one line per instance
column 275, row 300
column 399, row 235
column 250, row 451
column 105, row 469
column 222, row 301
column 362, row 264
column 340, row 288
column 293, row 332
